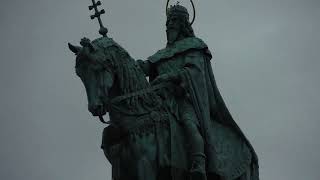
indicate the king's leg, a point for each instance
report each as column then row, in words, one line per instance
column 195, row 140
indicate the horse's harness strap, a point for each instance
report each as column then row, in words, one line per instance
column 140, row 92
column 144, row 124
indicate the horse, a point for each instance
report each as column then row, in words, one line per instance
column 139, row 139
column 143, row 140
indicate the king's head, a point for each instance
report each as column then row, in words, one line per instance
column 178, row 11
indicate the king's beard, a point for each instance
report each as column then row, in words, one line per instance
column 172, row 35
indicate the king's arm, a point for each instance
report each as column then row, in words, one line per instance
column 192, row 65
column 147, row 69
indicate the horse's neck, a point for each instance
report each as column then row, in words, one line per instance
column 131, row 77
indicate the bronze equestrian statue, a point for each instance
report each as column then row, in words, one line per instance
column 177, row 126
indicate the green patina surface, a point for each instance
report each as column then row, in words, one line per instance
column 175, row 127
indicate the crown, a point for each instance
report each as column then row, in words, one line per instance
column 178, row 10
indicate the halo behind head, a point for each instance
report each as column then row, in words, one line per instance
column 180, row 11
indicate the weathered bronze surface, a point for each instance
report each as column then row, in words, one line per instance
column 175, row 127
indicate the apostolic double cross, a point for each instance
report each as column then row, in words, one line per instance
column 103, row 31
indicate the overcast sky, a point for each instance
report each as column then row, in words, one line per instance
column 266, row 63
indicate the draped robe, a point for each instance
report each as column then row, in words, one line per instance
column 229, row 153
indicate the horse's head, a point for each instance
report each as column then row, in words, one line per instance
column 93, row 68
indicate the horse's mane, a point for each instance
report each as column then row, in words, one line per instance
column 129, row 75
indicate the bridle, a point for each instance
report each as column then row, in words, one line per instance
column 103, row 86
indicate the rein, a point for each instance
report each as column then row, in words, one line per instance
column 140, row 92
column 103, row 121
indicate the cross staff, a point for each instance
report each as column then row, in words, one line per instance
column 103, row 31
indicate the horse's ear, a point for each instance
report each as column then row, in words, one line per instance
column 74, row 49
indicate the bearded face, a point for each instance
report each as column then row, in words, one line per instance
column 173, row 29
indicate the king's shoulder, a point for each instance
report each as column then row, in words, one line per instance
column 179, row 47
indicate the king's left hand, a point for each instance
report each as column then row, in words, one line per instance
column 162, row 78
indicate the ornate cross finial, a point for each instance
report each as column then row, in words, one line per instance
column 103, row 31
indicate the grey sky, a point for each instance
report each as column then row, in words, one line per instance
column 266, row 63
